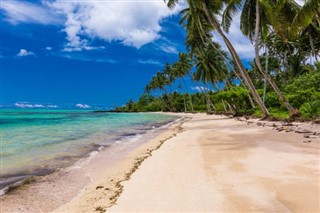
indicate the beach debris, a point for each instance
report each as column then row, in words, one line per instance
column 303, row 131
column 100, row 209
column 99, row 187
column 288, row 124
column 261, row 124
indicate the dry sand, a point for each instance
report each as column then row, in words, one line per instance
column 218, row 164
column 208, row 164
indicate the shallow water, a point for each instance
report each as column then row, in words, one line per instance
column 35, row 142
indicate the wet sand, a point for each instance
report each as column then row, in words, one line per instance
column 207, row 164
column 93, row 181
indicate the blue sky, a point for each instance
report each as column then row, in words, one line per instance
column 89, row 52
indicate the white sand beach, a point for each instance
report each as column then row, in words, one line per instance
column 209, row 163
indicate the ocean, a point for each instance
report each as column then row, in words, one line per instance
column 36, row 142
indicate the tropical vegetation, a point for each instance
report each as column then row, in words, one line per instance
column 282, row 81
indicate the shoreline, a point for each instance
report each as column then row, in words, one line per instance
column 125, row 185
column 14, row 178
column 61, row 185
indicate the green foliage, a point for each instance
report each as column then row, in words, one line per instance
column 279, row 113
column 303, row 96
column 310, row 109
column 304, row 82
column 304, row 89
column 237, row 96
column 272, row 100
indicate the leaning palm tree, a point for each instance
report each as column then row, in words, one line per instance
column 169, row 75
column 159, row 81
column 181, row 68
column 255, row 24
column 205, row 11
column 210, row 65
column 162, row 82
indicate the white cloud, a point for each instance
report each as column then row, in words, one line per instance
column 49, row 48
column 150, row 61
column 24, row 52
column 133, row 23
column 200, row 88
column 83, row 57
column 82, row 106
column 27, row 105
column 21, row 11
column 300, row 2
column 169, row 49
column 82, row 46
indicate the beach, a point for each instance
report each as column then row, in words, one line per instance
column 204, row 163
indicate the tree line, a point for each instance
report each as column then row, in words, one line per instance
column 284, row 76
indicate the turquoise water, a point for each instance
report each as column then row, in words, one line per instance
column 37, row 141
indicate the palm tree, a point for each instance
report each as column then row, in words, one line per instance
column 211, row 9
column 182, row 68
column 169, row 75
column 210, row 66
column 198, row 37
column 159, row 81
column 251, row 24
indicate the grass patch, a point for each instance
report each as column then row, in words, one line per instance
column 279, row 114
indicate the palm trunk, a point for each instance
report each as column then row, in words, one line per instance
column 312, row 47
column 190, row 98
column 224, row 106
column 184, row 102
column 206, row 95
column 210, row 102
column 233, row 109
column 166, row 95
column 228, row 64
column 184, row 99
column 237, row 61
column 265, row 80
column 159, row 104
column 262, row 71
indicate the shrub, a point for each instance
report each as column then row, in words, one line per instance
column 310, row 109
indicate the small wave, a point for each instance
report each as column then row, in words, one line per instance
column 129, row 139
column 13, row 181
column 10, row 183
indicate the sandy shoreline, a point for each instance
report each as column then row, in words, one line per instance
column 207, row 164
column 107, row 167
column 222, row 165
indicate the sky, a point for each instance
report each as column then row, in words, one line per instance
column 88, row 53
